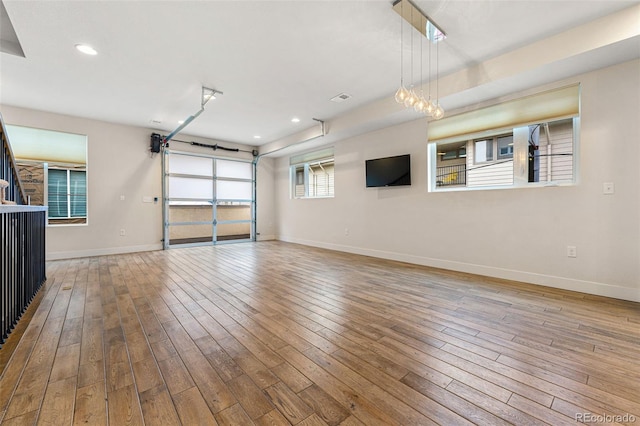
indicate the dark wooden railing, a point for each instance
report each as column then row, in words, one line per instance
column 22, row 261
column 9, row 171
column 22, row 251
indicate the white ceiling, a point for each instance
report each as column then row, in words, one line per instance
column 272, row 59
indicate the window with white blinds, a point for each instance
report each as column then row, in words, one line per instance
column 312, row 174
column 67, row 193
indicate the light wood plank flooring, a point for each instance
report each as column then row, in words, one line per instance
column 273, row 333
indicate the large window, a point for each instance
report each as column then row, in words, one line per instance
column 53, row 170
column 525, row 142
column 312, row 175
column 67, row 194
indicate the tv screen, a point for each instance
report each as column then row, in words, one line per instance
column 389, row 171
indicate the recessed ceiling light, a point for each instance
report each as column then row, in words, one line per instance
column 257, row 137
column 86, row 49
column 181, row 122
column 295, row 120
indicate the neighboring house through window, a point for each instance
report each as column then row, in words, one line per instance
column 537, row 143
column 312, row 174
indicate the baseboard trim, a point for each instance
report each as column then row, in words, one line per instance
column 58, row 255
column 564, row 283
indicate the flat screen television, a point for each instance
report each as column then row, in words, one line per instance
column 388, row 171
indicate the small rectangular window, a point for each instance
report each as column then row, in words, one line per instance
column 450, row 155
column 505, row 146
column 483, row 150
column 312, row 175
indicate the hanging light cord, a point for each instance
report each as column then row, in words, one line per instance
column 429, row 68
column 421, row 72
column 401, row 44
column 437, row 72
column 411, row 48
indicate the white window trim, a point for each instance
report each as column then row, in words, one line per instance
column 46, row 196
column 306, row 160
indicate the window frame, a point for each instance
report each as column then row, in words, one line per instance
column 517, row 113
column 510, row 149
column 70, row 218
column 496, row 156
column 301, row 170
column 458, row 153
column 53, row 149
column 488, row 142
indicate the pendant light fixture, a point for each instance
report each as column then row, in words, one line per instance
column 434, row 35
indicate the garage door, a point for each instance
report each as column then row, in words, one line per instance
column 207, row 200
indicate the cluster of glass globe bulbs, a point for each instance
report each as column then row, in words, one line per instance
column 411, row 99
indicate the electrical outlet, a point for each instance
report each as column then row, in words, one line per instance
column 346, row 231
column 572, row 251
column 123, row 232
column 122, row 198
column 608, row 188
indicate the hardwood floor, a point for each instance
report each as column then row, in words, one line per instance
column 273, row 333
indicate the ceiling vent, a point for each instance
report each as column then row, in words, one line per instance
column 341, row 97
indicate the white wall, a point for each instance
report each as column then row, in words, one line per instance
column 119, row 163
column 265, row 200
column 519, row 234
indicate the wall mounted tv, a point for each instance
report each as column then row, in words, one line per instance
column 388, row 171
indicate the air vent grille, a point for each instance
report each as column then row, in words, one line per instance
column 341, row 97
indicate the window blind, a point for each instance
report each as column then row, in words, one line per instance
column 57, row 193
column 308, row 157
column 78, row 193
column 546, row 106
column 67, row 193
